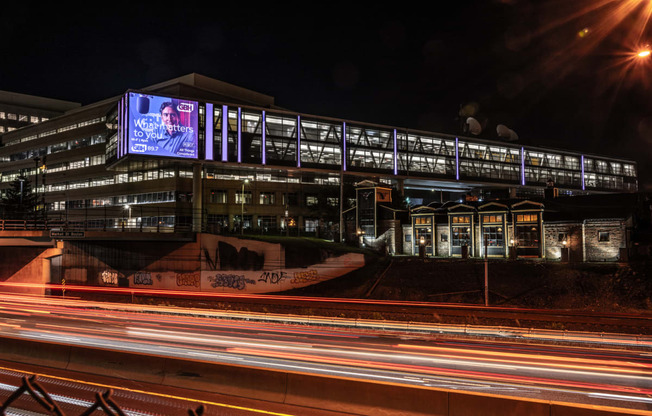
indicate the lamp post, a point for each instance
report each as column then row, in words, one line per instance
column 36, row 162
column 127, row 210
column 242, row 201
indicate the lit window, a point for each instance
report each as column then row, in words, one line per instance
column 267, row 198
column 218, row 196
column 33, row 119
column 239, row 198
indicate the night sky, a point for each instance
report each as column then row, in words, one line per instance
column 559, row 73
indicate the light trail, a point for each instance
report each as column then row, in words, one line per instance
column 580, row 375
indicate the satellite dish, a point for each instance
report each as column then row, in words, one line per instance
column 506, row 133
column 473, row 126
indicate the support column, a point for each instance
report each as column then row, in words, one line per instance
column 197, row 197
column 400, row 186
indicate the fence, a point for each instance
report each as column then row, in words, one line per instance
column 42, row 401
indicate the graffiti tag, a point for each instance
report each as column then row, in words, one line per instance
column 109, row 278
column 232, row 281
column 272, row 277
column 305, row 277
column 143, row 278
column 188, row 279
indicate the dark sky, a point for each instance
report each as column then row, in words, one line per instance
column 528, row 65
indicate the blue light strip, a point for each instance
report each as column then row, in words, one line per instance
column 457, row 159
column 125, row 126
column 120, row 128
column 264, row 150
column 583, row 182
column 344, row 146
column 239, row 135
column 523, row 166
column 209, row 131
column 225, row 133
column 395, row 155
column 298, row 141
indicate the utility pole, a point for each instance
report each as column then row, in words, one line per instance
column 486, row 273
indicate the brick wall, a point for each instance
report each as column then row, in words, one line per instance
column 608, row 247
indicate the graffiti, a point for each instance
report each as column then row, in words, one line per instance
column 272, row 277
column 188, row 279
column 109, row 278
column 230, row 281
column 305, row 277
column 143, row 278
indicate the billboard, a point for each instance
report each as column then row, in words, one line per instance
column 162, row 126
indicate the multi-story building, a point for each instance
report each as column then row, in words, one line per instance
column 20, row 110
column 253, row 165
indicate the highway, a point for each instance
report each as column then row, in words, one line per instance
column 617, row 378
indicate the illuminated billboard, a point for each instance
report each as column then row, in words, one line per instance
column 162, row 126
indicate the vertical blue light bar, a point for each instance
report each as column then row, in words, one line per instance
column 395, row 155
column 239, row 135
column 457, row 159
column 124, row 141
column 120, row 129
column 225, row 133
column 264, row 138
column 523, row 166
column 344, row 146
column 583, row 183
column 298, row 141
column 209, row 131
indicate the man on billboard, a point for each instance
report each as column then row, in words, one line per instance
column 162, row 126
column 174, row 137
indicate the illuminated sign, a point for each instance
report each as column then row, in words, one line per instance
column 162, row 126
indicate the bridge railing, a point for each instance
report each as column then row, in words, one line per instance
column 43, row 401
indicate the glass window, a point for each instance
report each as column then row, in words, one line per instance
column 424, row 233
column 218, row 196
column 247, row 198
column 290, row 199
column 527, row 218
column 494, row 236
column 492, row 218
column 461, row 236
column 267, row 222
column 267, row 198
column 461, row 219
column 603, row 236
column 422, row 220
column 527, row 235
column 311, row 224
column 312, row 200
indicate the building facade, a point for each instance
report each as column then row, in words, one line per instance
column 255, row 166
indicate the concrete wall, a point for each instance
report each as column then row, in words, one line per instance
column 442, row 247
column 26, row 265
column 210, row 263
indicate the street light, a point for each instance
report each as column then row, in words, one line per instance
column 242, row 199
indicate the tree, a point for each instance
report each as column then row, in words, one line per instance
column 19, row 202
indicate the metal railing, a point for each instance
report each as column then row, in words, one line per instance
column 43, row 401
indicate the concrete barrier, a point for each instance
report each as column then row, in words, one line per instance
column 364, row 398
column 335, row 394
